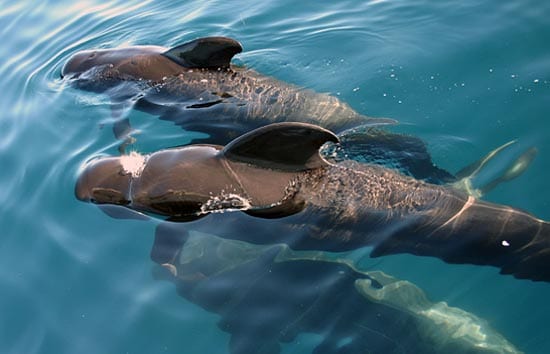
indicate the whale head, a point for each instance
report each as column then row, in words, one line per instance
column 119, row 64
column 151, row 63
column 105, row 181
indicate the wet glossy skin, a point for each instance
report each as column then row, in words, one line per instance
column 145, row 62
column 321, row 206
column 222, row 100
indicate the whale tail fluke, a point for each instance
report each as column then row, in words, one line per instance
column 514, row 170
column 467, row 175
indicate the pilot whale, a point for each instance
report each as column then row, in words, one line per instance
column 271, row 185
column 195, row 86
column 351, row 310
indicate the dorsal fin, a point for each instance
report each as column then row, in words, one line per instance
column 207, row 52
column 283, row 146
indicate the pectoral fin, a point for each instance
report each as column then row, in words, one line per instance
column 169, row 238
column 278, row 211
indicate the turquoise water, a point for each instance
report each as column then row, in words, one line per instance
column 464, row 76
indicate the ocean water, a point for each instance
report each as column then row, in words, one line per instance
column 465, row 76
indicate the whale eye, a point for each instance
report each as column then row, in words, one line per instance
column 92, row 55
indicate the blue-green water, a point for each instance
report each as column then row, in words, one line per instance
column 465, row 76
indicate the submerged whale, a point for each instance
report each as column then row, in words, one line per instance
column 195, row 86
column 266, row 295
column 271, row 185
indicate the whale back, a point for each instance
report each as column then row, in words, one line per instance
column 284, row 146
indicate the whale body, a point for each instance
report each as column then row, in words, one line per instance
column 350, row 309
column 195, row 86
column 271, row 185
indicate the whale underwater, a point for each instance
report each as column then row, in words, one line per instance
column 351, row 310
column 271, row 186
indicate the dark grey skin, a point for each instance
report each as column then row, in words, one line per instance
column 272, row 186
column 195, row 86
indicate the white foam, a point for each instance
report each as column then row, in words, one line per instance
column 225, row 202
column 133, row 163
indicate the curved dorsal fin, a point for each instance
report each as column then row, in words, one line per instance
column 207, row 52
column 282, row 146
